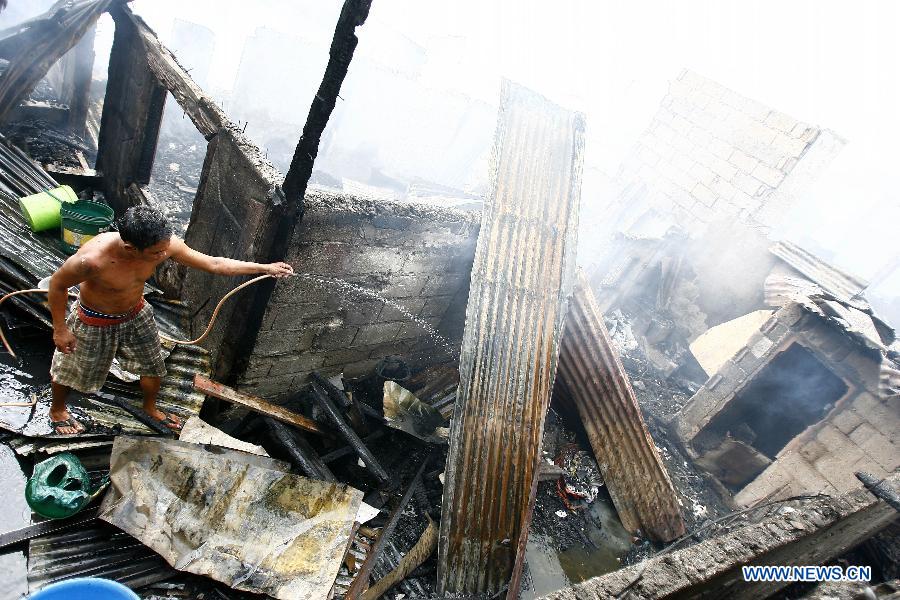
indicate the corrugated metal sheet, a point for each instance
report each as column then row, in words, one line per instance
column 521, row 279
column 27, row 257
column 593, row 376
column 843, row 286
column 99, row 550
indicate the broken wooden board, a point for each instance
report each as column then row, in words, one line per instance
column 521, row 278
column 223, row 392
column 592, row 376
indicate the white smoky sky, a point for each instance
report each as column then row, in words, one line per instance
column 835, row 64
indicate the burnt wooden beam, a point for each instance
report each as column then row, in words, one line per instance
column 301, row 453
column 258, row 405
column 343, row 44
column 348, row 434
column 132, row 114
column 361, row 582
column 202, row 110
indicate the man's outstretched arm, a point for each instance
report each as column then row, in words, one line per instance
column 184, row 254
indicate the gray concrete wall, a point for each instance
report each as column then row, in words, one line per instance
column 417, row 256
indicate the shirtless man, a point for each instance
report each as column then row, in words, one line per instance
column 110, row 319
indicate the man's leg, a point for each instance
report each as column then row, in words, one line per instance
column 59, row 412
column 150, row 388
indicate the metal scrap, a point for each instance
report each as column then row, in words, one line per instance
column 238, row 518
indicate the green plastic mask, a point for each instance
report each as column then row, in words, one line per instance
column 59, row 487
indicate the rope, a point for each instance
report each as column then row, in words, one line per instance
column 206, row 332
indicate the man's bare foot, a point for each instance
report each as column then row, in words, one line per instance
column 170, row 420
column 64, row 424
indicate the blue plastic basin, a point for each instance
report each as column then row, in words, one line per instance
column 87, row 588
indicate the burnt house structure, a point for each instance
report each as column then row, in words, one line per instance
column 806, row 401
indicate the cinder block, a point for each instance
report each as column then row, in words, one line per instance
column 704, row 195
column 344, row 356
column 779, row 120
column 290, row 365
column 426, row 262
column 769, row 176
column 375, row 334
column 744, row 163
column 747, row 184
column 812, row 451
column 436, row 306
column 330, row 338
column 371, row 259
column 885, row 420
column 404, row 286
column 275, row 343
column 405, row 309
column 847, row 420
column 444, row 284
column 877, row 446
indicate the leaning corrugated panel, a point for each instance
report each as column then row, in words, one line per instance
column 521, row 279
column 592, row 374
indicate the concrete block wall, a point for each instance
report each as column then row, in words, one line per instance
column 418, row 257
column 711, row 154
column 861, row 432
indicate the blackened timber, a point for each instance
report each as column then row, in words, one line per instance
column 521, row 279
column 348, row 450
column 154, row 424
column 301, row 453
column 47, row 527
column 197, row 105
column 289, row 214
column 354, row 413
column 362, row 578
column 343, row 44
column 880, row 489
column 132, row 113
column 334, row 415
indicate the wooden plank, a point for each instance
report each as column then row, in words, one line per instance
column 200, row 108
column 223, row 392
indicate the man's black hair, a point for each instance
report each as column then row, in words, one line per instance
column 143, row 226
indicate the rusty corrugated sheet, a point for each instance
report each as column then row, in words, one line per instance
column 521, row 279
column 595, row 380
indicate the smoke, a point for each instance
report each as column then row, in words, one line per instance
column 417, row 112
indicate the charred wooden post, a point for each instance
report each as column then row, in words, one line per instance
column 301, row 453
column 287, row 215
column 348, row 450
column 361, row 582
column 79, row 81
column 132, row 114
column 352, row 407
column 138, row 414
column 521, row 279
column 334, row 415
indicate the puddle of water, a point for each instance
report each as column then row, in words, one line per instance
column 15, row 515
column 611, row 540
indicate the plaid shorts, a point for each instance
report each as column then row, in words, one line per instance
column 134, row 342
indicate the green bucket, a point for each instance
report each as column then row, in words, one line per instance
column 59, row 487
column 81, row 221
column 42, row 210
